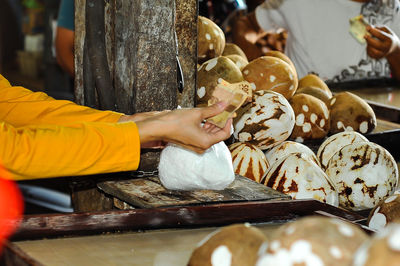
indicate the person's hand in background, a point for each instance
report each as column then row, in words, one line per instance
column 383, row 42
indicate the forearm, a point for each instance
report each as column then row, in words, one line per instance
column 394, row 62
column 21, row 107
column 80, row 149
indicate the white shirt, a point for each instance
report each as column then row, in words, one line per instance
column 319, row 40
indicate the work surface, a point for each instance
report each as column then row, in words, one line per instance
column 161, row 248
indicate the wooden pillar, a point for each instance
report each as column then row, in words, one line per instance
column 128, row 64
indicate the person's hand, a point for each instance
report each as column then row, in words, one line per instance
column 382, row 42
column 184, row 127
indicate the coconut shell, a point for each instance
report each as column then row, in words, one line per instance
column 213, row 72
column 350, row 112
column 211, row 39
column 312, row 118
column 271, row 73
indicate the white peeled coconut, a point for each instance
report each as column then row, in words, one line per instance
column 364, row 173
column 287, row 147
column 183, row 169
column 267, row 121
column 334, row 143
column 248, row 160
column 301, row 179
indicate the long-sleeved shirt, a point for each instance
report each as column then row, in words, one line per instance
column 41, row 137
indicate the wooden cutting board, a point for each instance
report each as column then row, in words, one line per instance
column 149, row 193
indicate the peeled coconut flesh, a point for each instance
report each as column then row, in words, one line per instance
column 364, row 173
column 301, row 179
column 248, row 160
column 288, row 147
column 335, row 142
column 265, row 122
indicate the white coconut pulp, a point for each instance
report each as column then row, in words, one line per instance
column 364, row 173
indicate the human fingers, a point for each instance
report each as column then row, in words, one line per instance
column 375, row 53
column 378, row 33
column 210, row 111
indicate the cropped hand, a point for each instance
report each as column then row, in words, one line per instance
column 184, row 127
column 382, row 42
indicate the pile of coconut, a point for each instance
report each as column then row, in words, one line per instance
column 283, row 113
column 312, row 240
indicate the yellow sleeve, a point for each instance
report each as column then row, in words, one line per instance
column 79, row 149
column 20, row 107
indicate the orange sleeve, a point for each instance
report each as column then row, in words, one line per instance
column 78, row 149
column 20, row 107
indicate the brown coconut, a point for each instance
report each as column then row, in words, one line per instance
column 211, row 39
column 313, row 240
column 383, row 249
column 248, row 160
column 312, row 80
column 282, row 56
column 316, row 92
column 235, row 245
column 233, row 49
column 349, row 112
column 385, row 212
column 239, row 61
column 312, row 117
column 213, row 72
column 271, row 73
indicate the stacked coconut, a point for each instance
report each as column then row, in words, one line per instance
column 284, row 112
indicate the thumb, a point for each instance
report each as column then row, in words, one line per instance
column 213, row 110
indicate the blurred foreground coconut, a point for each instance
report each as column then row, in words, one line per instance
column 234, row 245
column 385, row 212
column 211, row 39
column 313, row 241
column 383, row 249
